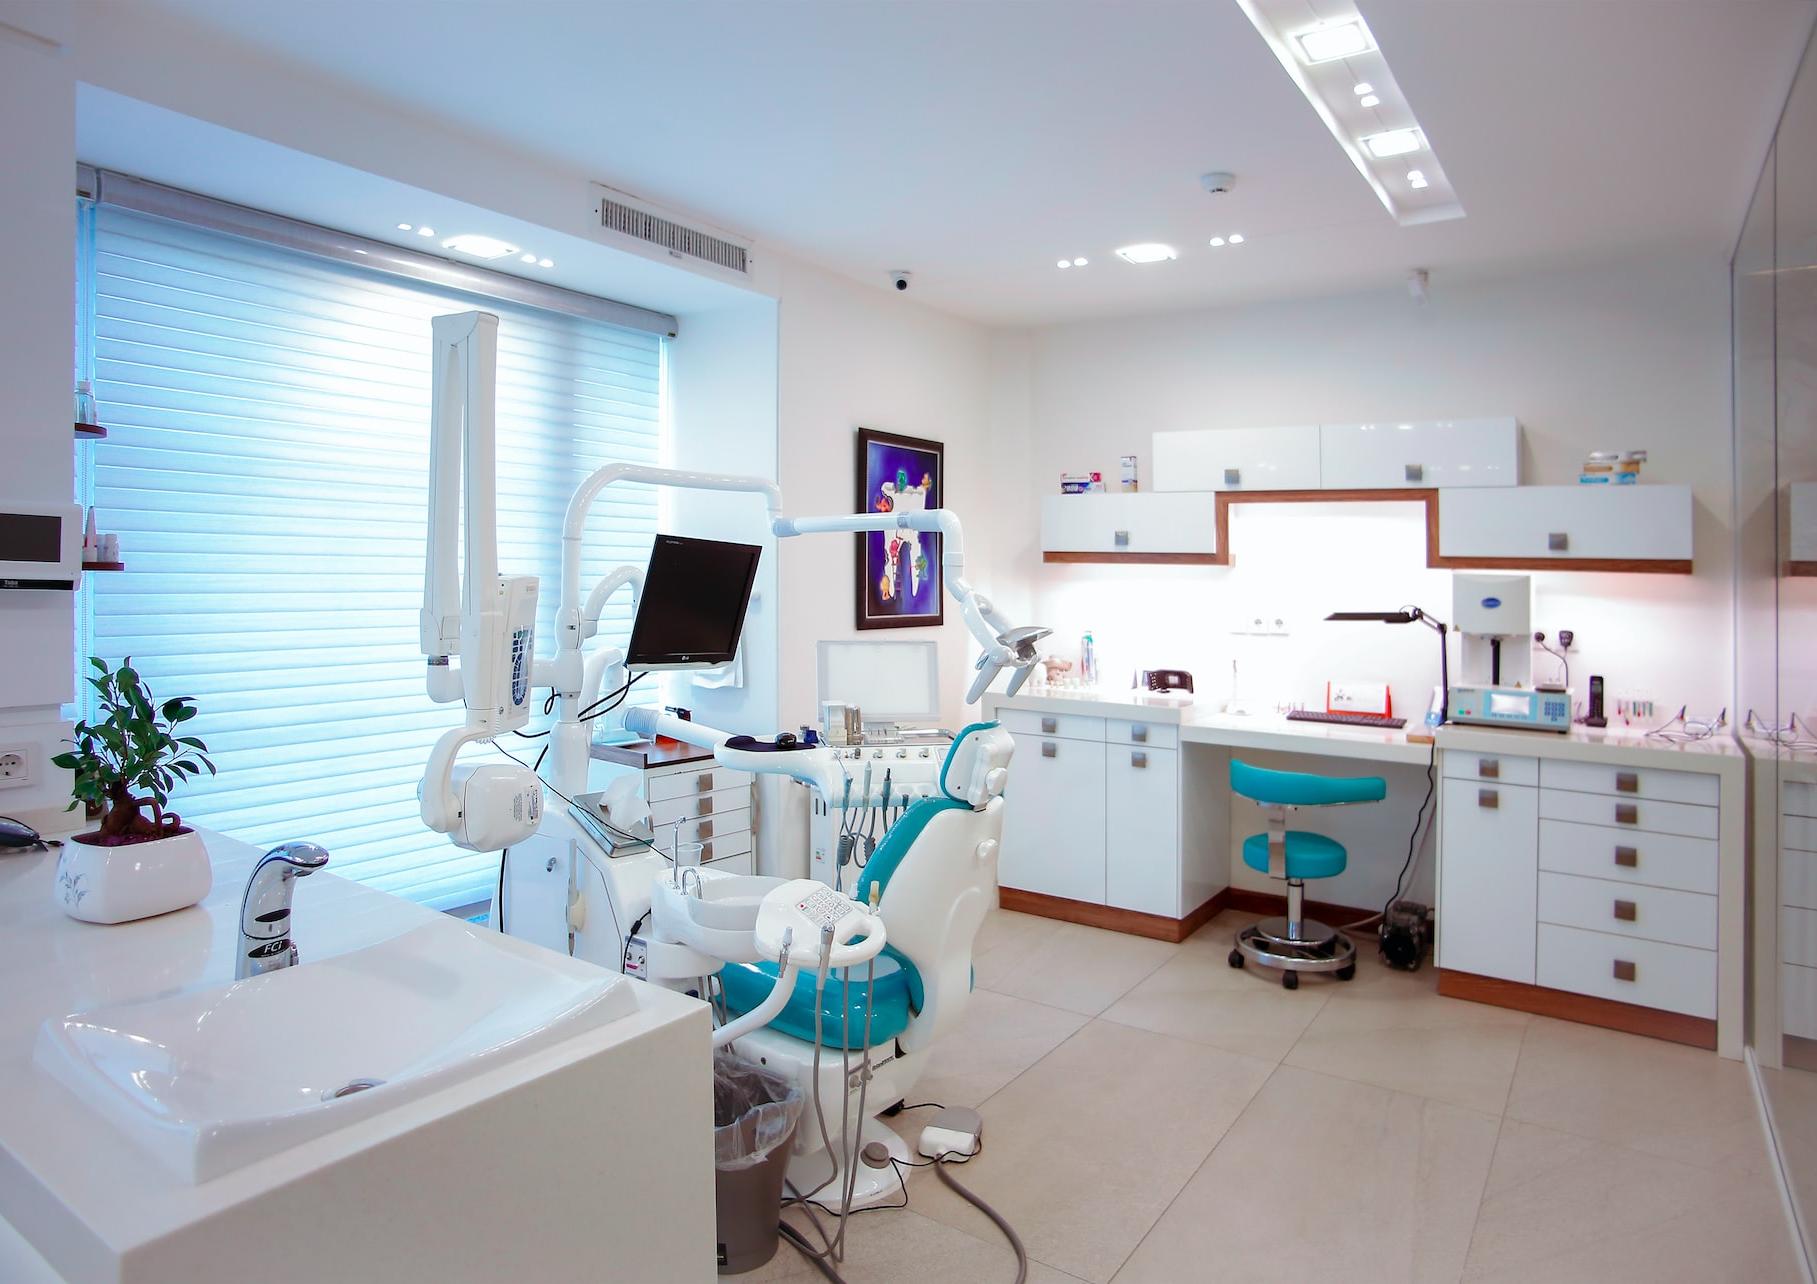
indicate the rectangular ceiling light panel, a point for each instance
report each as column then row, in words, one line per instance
column 1332, row 57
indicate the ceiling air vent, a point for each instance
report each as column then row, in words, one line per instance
column 620, row 214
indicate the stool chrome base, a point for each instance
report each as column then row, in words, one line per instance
column 1314, row 947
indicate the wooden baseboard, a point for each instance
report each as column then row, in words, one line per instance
column 1699, row 1032
column 1154, row 926
column 1269, row 904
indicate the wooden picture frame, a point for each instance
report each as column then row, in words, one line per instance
column 900, row 581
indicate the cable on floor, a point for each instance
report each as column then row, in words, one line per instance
column 977, row 1202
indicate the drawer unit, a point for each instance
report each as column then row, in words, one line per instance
column 1674, row 978
column 1068, row 726
column 1053, row 834
column 1656, row 860
column 1798, row 935
column 1639, row 815
column 721, row 827
column 1159, row 523
column 1651, row 913
column 1420, row 453
column 1627, row 782
column 1238, row 459
column 1488, row 879
column 1563, row 524
column 718, row 803
column 1142, row 829
column 1154, row 735
column 1798, row 798
column 1495, row 768
column 1798, row 1001
column 708, row 778
column 1798, row 879
column 1798, row 833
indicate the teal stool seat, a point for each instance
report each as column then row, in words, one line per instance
column 1302, row 788
column 842, row 1006
column 1308, row 855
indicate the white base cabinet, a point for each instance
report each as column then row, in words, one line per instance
column 1053, row 821
column 1142, row 829
column 1489, row 878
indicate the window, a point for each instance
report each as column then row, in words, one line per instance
column 266, row 469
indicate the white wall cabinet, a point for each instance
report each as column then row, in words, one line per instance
column 1154, row 524
column 1053, row 834
column 1432, row 452
column 1489, row 878
column 1237, row 459
column 1566, row 523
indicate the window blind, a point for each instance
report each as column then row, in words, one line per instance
column 266, row 469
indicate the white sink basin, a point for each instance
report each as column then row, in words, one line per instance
column 211, row 1080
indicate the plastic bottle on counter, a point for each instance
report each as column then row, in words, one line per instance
column 1088, row 662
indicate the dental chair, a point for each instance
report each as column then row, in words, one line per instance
column 934, row 878
column 1295, row 943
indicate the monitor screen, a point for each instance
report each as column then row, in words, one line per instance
column 30, row 537
column 692, row 608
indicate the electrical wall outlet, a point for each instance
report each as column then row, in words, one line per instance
column 15, row 767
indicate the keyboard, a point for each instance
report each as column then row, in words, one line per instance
column 1347, row 719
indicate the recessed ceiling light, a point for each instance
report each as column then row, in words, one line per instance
column 545, row 263
column 1416, row 180
column 1371, row 100
column 1330, row 41
column 1394, row 142
column 1079, row 262
column 425, row 231
column 405, row 227
column 1217, row 240
column 1363, row 87
column 527, row 258
column 479, row 246
column 1064, row 263
column 1236, row 238
column 1147, row 252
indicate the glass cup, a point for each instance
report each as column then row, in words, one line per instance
column 687, row 854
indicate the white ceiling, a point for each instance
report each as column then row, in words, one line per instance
column 977, row 141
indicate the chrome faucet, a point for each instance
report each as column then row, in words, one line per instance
column 265, row 944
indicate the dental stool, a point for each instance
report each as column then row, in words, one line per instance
column 1295, row 943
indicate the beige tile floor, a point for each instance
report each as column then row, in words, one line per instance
column 1151, row 1114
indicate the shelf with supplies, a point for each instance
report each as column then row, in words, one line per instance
column 104, row 566
column 89, row 432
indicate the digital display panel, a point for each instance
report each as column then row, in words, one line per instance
column 1503, row 705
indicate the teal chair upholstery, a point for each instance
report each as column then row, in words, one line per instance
column 1292, row 942
column 896, row 985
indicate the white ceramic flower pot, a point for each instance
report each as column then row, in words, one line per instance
column 136, row 880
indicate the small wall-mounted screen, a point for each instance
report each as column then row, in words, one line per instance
column 691, row 611
column 30, row 537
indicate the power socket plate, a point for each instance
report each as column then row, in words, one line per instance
column 15, row 767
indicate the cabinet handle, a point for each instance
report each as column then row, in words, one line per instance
column 1416, row 472
column 1490, row 798
column 1489, row 768
column 1624, row 970
column 1627, row 857
column 1050, row 725
column 1120, row 538
column 1138, row 759
column 1139, row 734
column 1049, row 749
column 703, row 830
column 1233, row 476
column 1625, row 911
column 1558, row 542
column 703, row 783
column 706, row 852
column 704, row 807
column 1627, row 782
column 1627, row 814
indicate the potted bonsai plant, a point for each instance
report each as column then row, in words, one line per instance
column 142, row 860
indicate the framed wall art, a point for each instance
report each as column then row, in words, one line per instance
column 899, row 579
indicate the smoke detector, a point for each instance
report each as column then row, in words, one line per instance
column 1218, row 181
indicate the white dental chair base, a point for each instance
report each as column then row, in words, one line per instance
column 874, row 1186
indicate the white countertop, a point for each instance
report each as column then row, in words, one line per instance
column 1207, row 724
column 81, row 1192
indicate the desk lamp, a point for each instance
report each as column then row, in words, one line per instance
column 1408, row 615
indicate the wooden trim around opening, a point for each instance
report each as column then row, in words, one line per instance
column 1619, row 565
column 1801, row 568
column 1699, row 1032
column 1133, row 922
column 1147, row 559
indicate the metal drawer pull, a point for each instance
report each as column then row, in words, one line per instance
column 704, row 807
column 1627, row 814
column 1489, row 768
column 1233, row 476
column 706, row 851
column 704, row 829
column 1625, row 911
column 1624, row 970
column 1139, row 735
column 1558, row 542
column 703, row 783
column 1049, row 748
column 1416, row 472
column 1627, row 782
column 1627, row 857
column 1049, row 726
column 1138, row 759
column 1120, row 539
column 1488, row 798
